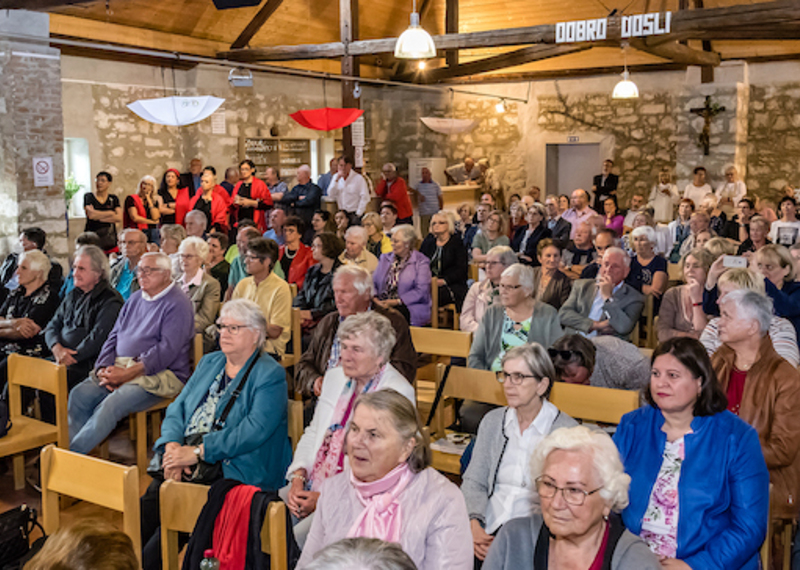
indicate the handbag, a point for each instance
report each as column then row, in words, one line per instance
column 16, row 526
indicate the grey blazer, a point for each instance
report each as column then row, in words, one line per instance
column 622, row 310
column 545, row 329
column 205, row 300
column 490, row 446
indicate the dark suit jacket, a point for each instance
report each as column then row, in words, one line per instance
column 540, row 233
column 560, row 232
column 604, row 190
column 557, row 291
column 622, row 310
column 187, row 181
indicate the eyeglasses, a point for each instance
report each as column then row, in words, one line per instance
column 513, row 378
column 186, row 255
column 509, row 287
column 250, row 257
column 147, row 271
column 564, row 354
column 233, row 329
column 572, row 495
column 131, row 242
column 492, row 263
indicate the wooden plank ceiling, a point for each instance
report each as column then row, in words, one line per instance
column 196, row 27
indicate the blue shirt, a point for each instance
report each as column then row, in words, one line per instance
column 270, row 233
column 431, row 191
column 325, row 181
column 125, row 281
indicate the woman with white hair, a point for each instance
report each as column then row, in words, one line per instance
column 199, row 286
column 448, row 259
column 731, row 191
column 699, row 492
column 355, row 249
column 518, row 320
column 27, row 310
column 141, row 212
column 232, row 413
column 517, row 211
column 581, row 487
column 648, row 273
column 362, row 554
column 403, row 278
column 486, row 293
column 366, row 341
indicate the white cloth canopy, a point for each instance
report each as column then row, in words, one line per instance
column 176, row 111
column 449, row 126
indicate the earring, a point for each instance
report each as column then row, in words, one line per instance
column 605, row 518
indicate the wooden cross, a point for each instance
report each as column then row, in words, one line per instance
column 708, row 112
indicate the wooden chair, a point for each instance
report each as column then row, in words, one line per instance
column 293, row 289
column 138, row 430
column 674, row 272
column 197, row 350
column 289, row 359
column 29, row 433
column 93, row 480
column 435, row 308
column 593, row 404
column 181, row 504
column 295, row 413
column 474, row 272
column 766, row 546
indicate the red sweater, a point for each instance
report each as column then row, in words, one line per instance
column 303, row 259
column 397, row 193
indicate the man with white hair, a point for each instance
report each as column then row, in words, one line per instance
column 355, row 249
column 304, row 199
column 144, row 360
column 606, row 305
column 393, row 188
column 196, row 223
column 353, row 291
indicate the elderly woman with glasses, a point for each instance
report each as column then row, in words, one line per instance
column 389, row 491
column 528, row 236
column 199, row 286
column 449, row 263
column 518, row 320
column 251, row 444
column 581, row 487
column 699, row 491
column 491, row 234
column 484, row 294
column 497, row 483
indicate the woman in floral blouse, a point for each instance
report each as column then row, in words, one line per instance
column 699, row 485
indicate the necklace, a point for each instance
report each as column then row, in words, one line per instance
column 290, row 255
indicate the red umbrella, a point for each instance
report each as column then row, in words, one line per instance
column 327, row 118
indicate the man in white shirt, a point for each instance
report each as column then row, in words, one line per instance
column 579, row 212
column 786, row 230
column 731, row 191
column 698, row 188
column 635, row 206
column 350, row 191
column 465, row 173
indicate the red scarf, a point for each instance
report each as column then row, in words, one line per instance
column 232, row 526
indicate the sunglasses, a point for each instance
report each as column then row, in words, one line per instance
column 563, row 354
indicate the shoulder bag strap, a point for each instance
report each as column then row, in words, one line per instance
column 219, row 423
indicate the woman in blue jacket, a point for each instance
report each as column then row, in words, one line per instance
column 253, row 443
column 699, row 490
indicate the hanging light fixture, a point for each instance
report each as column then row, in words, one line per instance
column 625, row 89
column 415, row 42
column 501, row 106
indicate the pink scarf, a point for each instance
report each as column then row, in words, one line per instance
column 383, row 517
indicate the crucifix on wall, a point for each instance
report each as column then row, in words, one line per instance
column 708, row 112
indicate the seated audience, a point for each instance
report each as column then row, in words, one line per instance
column 518, row 320
column 199, row 286
column 738, row 228
column 144, row 360
column 606, row 305
column 766, row 209
column 527, row 236
column 378, row 242
column 602, row 361
column 636, row 206
column 563, row 204
column 305, row 198
column 420, row 509
column 342, row 221
column 364, row 344
column 322, row 221
column 196, row 223
column 495, row 486
column 550, row 284
column 448, row 260
column 764, row 390
column 141, row 210
column 315, row 298
column 392, row 187
column 699, row 489
column 580, row 253
column 88, row 544
column 719, row 246
column 613, row 219
column 478, row 224
column 403, row 278
column 648, row 272
column 718, row 220
column 362, row 554
column 483, row 294
column 388, row 213
column 269, row 292
column 663, row 197
column 295, row 257
column 275, row 232
column 603, row 239
column 786, row 231
column 84, row 238
column 679, row 229
column 216, row 265
column 27, row 310
column 172, row 201
column 171, row 237
column 493, row 234
column 580, row 488
column 237, row 270
column 29, row 239
column 681, row 313
column 84, row 319
column 465, row 214
column 757, row 230
column 252, row 445
column 352, row 290
column 560, row 228
column 132, row 246
column 517, row 211
column 698, row 224
column 355, row 249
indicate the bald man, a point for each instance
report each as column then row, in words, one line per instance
column 304, row 199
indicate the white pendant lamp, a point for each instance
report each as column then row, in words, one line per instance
column 415, row 42
column 625, row 89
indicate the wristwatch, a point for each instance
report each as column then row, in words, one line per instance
column 197, row 452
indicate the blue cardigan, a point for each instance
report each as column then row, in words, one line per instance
column 254, row 445
column 723, row 491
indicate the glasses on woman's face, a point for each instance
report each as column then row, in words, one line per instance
column 493, row 263
column 509, row 287
column 513, row 378
column 233, row 329
column 572, row 495
column 564, row 354
column 187, row 255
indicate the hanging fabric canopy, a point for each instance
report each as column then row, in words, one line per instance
column 176, row 111
column 326, row 118
column 449, row 126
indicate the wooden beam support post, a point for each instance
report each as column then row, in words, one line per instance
column 678, row 53
column 38, row 4
column 348, row 30
column 706, row 71
column 256, row 23
column 451, row 27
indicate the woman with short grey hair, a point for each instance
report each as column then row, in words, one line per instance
column 362, row 554
column 199, row 286
column 483, row 294
column 581, row 487
column 518, row 320
column 495, row 489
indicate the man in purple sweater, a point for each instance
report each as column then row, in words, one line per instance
column 144, row 359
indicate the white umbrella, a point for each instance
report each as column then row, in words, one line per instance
column 449, row 126
column 176, row 111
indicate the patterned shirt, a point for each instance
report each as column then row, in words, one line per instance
column 660, row 523
column 514, row 334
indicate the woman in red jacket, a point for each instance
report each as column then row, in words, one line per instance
column 213, row 201
column 172, row 201
column 295, row 256
column 251, row 197
column 141, row 212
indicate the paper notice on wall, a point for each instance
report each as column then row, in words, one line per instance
column 43, row 171
column 359, row 156
column 357, row 132
column 218, row 123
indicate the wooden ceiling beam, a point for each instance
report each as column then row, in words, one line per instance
column 564, row 73
column 256, row 23
column 678, row 53
column 38, row 4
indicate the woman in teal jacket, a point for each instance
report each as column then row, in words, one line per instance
column 252, row 445
column 699, row 489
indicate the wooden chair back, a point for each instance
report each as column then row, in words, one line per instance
column 28, row 433
column 766, row 546
column 474, row 272
column 674, row 272
column 292, row 358
column 181, row 504
column 295, row 414
column 593, row 404
column 93, row 480
column 434, row 303
column 441, row 342
column 476, row 385
column 293, row 289
column 197, row 350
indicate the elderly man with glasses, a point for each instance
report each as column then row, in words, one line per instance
column 144, row 360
